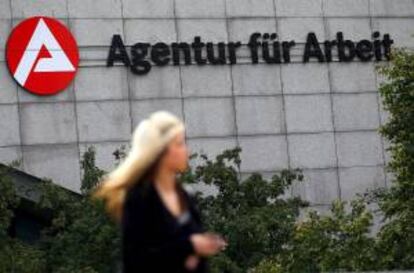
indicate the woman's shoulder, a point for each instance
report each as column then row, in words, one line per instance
column 138, row 194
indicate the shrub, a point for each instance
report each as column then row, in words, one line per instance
column 253, row 214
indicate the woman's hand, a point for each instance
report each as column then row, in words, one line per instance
column 207, row 244
column 191, row 262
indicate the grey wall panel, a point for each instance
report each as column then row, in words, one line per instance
column 318, row 116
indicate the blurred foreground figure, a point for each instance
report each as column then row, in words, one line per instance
column 161, row 227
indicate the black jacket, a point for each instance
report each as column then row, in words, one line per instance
column 152, row 239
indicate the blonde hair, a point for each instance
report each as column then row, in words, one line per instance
column 149, row 139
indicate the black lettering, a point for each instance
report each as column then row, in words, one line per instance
column 232, row 51
column 138, row 52
column 253, row 45
column 312, row 48
column 286, row 50
column 221, row 59
column 364, row 50
column 387, row 45
column 377, row 46
column 185, row 48
column 117, row 52
column 160, row 53
column 342, row 46
column 276, row 49
column 328, row 50
column 198, row 47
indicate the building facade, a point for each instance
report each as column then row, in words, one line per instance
column 318, row 115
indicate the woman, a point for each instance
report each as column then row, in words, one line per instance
column 161, row 226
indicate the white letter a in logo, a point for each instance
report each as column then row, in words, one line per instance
column 42, row 36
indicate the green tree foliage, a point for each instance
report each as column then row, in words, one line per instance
column 337, row 241
column 253, row 214
column 15, row 256
column 81, row 238
column 8, row 202
column 397, row 203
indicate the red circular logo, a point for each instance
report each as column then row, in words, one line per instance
column 42, row 55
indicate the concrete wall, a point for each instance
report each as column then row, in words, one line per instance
column 320, row 117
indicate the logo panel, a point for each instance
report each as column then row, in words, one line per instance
column 42, row 55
